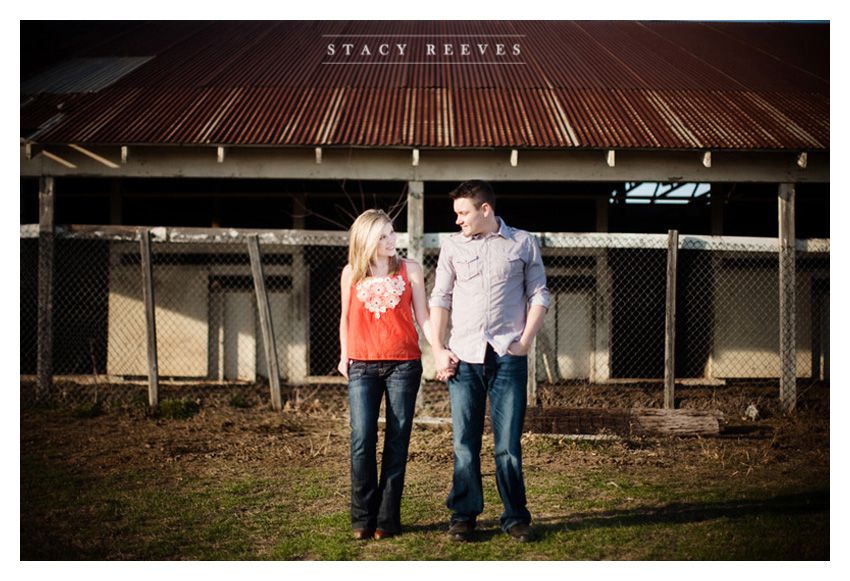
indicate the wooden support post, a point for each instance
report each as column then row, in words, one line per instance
column 718, row 195
column 415, row 240
column 670, row 326
column 602, row 207
column 266, row 326
column 46, row 244
column 787, row 299
column 116, row 202
column 415, row 221
column 150, row 317
column 299, row 211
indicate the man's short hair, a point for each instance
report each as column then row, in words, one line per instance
column 478, row 191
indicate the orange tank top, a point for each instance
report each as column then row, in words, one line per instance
column 380, row 320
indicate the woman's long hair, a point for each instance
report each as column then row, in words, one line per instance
column 363, row 239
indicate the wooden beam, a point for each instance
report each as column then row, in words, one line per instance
column 94, row 156
column 449, row 165
column 58, row 159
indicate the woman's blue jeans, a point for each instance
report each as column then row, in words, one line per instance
column 504, row 379
column 376, row 504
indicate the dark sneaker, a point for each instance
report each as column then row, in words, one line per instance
column 521, row 532
column 461, row 530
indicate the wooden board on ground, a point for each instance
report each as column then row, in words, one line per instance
column 623, row 421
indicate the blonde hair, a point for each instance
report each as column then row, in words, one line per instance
column 363, row 239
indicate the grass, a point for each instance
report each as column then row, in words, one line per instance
column 282, row 494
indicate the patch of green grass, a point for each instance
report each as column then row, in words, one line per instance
column 179, row 409
column 248, row 518
column 87, row 410
column 237, row 400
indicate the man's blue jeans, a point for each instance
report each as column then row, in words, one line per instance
column 377, row 504
column 504, row 379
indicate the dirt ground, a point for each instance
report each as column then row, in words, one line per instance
column 313, row 426
column 227, row 431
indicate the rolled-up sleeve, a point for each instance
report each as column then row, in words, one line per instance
column 535, row 276
column 444, row 281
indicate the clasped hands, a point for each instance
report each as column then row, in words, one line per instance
column 447, row 362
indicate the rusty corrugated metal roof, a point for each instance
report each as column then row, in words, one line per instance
column 565, row 84
column 87, row 75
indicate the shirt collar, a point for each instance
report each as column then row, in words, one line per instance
column 504, row 231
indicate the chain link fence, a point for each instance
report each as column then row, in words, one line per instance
column 606, row 325
column 607, row 322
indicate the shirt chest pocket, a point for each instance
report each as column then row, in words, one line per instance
column 467, row 267
column 508, row 266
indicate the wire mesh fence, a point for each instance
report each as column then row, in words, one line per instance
column 606, row 324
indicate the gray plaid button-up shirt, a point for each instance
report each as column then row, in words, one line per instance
column 488, row 282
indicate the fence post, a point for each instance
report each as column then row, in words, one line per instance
column 150, row 317
column 787, row 299
column 46, row 245
column 265, row 320
column 670, row 325
column 531, row 388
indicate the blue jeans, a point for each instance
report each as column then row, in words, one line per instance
column 377, row 504
column 504, row 379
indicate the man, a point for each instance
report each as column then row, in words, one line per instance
column 490, row 279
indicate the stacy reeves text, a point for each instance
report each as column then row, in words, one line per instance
column 427, row 49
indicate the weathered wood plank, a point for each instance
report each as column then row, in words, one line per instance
column 623, row 421
column 675, row 422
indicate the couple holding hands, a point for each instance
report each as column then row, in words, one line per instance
column 491, row 281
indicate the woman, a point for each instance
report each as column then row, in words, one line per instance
column 380, row 355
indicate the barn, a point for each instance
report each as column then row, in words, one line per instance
column 620, row 144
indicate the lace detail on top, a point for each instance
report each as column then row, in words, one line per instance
column 380, row 294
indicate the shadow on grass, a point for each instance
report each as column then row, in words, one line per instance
column 686, row 512
column 675, row 513
column 485, row 530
